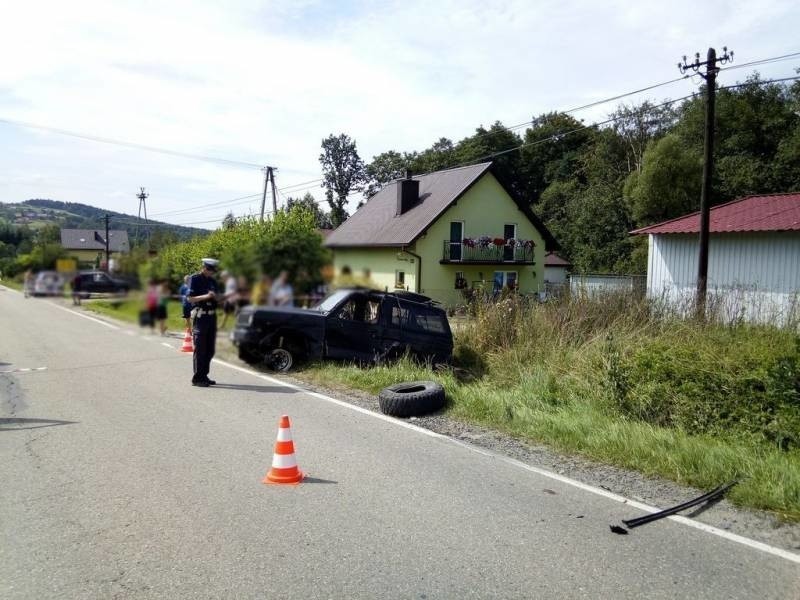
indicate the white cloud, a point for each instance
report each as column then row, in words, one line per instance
column 264, row 82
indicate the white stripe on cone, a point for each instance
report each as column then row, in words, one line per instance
column 284, row 434
column 283, row 461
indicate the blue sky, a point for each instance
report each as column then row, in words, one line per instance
column 265, row 82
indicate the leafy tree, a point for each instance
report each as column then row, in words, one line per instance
column 49, row 234
column 553, row 146
column 669, row 183
column 498, row 144
column 343, row 172
column 385, row 167
column 229, row 222
column 637, row 126
column 441, row 155
column 600, row 224
column 321, row 218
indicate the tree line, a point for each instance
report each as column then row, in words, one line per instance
column 593, row 184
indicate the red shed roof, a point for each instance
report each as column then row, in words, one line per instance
column 553, row 259
column 769, row 212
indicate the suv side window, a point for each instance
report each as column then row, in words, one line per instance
column 418, row 318
column 430, row 321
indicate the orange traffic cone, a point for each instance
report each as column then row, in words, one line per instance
column 284, row 465
column 187, row 342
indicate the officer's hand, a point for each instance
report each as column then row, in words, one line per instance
column 211, row 295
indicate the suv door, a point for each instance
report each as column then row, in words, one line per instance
column 353, row 331
column 423, row 330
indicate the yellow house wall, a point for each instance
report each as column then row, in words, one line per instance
column 382, row 262
column 484, row 210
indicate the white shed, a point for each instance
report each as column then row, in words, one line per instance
column 753, row 259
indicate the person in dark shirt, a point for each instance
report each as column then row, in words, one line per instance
column 202, row 295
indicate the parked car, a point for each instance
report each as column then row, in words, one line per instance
column 47, row 283
column 92, row 283
column 355, row 324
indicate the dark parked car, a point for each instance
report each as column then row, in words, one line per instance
column 90, row 283
column 350, row 324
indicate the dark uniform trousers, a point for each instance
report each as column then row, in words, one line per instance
column 204, row 328
column 204, row 337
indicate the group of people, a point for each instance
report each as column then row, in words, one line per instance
column 265, row 292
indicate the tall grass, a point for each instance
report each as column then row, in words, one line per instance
column 620, row 380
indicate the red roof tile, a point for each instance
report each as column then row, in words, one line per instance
column 771, row 212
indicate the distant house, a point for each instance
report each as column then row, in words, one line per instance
column 444, row 233
column 88, row 251
column 753, row 258
column 556, row 268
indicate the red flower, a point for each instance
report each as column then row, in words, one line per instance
column 499, row 242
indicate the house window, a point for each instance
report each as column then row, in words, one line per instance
column 400, row 279
column 461, row 281
column 505, row 279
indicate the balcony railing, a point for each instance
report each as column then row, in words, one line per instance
column 457, row 252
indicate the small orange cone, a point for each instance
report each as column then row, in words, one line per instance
column 284, row 465
column 187, row 342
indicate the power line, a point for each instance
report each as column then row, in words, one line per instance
column 202, row 206
column 558, row 135
column 134, row 145
column 763, row 61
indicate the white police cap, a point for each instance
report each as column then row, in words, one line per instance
column 210, row 263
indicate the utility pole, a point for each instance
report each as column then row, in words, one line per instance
column 269, row 177
column 142, row 196
column 708, row 164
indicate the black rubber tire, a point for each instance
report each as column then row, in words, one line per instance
column 280, row 360
column 411, row 398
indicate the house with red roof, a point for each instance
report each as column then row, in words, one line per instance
column 753, row 258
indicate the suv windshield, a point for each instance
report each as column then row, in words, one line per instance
column 329, row 303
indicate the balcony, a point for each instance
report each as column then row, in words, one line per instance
column 483, row 252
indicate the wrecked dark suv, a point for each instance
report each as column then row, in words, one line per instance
column 356, row 325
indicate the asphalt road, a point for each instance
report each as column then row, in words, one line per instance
column 120, row 480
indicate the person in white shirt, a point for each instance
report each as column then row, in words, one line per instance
column 281, row 293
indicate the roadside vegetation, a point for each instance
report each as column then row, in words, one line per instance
column 619, row 381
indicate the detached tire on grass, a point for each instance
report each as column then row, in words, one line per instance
column 411, row 398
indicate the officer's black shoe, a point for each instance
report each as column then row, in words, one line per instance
column 201, row 383
column 211, row 382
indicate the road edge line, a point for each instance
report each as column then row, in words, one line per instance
column 733, row 537
column 76, row 313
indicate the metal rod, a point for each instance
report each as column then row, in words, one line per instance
column 716, row 492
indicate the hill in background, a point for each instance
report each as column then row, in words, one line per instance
column 74, row 215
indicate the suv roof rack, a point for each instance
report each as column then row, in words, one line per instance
column 414, row 297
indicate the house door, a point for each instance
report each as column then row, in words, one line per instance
column 456, row 236
column 509, row 232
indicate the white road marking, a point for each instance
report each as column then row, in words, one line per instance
column 25, row 370
column 790, row 556
column 76, row 313
column 170, row 346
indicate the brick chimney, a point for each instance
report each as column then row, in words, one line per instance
column 407, row 194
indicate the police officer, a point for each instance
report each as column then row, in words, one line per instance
column 202, row 295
